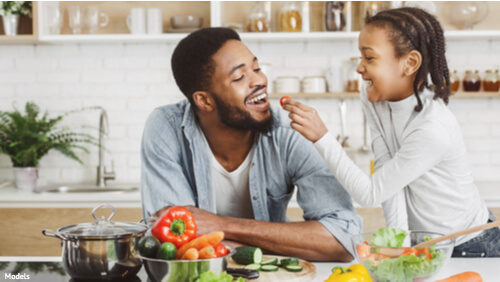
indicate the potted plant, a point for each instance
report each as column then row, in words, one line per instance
column 10, row 12
column 27, row 137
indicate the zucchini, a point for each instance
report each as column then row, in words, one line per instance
column 271, row 261
column 247, row 255
column 289, row 261
column 253, row 266
column 294, row 268
column 269, row 268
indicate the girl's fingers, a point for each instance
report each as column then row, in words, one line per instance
column 297, row 118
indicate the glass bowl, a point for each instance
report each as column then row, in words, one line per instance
column 402, row 263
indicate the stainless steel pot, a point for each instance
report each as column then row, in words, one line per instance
column 100, row 250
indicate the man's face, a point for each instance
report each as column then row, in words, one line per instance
column 239, row 89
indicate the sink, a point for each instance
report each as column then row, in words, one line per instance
column 89, row 188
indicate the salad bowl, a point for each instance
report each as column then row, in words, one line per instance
column 389, row 256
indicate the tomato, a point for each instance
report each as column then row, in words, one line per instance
column 364, row 251
column 220, row 250
column 283, row 98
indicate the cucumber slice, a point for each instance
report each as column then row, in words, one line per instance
column 294, row 268
column 253, row 266
column 271, row 261
column 247, row 255
column 289, row 261
column 269, row 268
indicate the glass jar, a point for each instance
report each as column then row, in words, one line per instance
column 371, row 8
column 334, row 16
column 290, row 17
column 491, row 82
column 472, row 81
column 258, row 20
column 352, row 81
column 454, row 81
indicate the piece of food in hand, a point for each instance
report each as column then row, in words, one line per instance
column 148, row 246
column 191, row 254
column 468, row 276
column 199, row 243
column 282, row 100
column 207, row 253
column 247, row 255
column 355, row 272
column 175, row 225
column 220, row 250
column 167, row 251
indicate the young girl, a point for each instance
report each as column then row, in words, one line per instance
column 422, row 175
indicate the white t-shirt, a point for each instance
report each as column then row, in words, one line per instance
column 232, row 189
column 422, row 174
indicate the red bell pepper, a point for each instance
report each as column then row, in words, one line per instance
column 175, row 225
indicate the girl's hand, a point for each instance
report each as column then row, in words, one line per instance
column 305, row 120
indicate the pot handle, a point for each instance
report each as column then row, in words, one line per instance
column 52, row 233
column 103, row 206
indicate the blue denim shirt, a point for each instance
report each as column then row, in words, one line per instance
column 176, row 171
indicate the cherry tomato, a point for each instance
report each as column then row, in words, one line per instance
column 220, row 250
column 283, row 98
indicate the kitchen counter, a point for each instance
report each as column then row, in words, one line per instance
column 11, row 197
column 487, row 267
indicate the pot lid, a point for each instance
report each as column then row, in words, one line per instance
column 102, row 228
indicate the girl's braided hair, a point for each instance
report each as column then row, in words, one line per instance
column 414, row 29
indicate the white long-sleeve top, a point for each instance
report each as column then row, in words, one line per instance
column 422, row 174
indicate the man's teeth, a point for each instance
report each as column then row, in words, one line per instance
column 368, row 82
column 258, row 98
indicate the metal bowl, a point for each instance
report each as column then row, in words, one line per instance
column 186, row 22
column 160, row 270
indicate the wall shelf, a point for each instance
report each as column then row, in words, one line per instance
column 353, row 95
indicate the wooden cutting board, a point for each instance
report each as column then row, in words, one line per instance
column 307, row 274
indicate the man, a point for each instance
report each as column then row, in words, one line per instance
column 225, row 156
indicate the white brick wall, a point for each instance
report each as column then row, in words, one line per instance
column 130, row 80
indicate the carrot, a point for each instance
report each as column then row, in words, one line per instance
column 191, row 254
column 199, row 243
column 468, row 276
column 207, row 252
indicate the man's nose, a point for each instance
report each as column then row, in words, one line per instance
column 258, row 79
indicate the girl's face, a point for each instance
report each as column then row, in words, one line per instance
column 381, row 70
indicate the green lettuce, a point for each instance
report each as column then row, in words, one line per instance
column 389, row 237
column 210, row 276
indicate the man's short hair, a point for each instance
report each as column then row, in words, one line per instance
column 192, row 64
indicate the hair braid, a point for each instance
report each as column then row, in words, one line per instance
column 414, row 29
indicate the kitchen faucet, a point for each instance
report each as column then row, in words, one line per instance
column 102, row 173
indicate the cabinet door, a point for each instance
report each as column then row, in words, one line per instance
column 22, row 227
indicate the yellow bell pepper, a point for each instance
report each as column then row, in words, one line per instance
column 355, row 273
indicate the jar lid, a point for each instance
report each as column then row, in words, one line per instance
column 102, row 228
column 471, row 71
column 492, row 71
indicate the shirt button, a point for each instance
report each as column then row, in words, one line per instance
column 252, row 165
column 255, row 197
column 464, row 254
column 483, row 254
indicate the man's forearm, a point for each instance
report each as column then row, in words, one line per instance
column 308, row 240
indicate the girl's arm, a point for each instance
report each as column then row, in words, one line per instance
column 421, row 150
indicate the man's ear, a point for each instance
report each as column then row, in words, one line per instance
column 413, row 62
column 204, row 101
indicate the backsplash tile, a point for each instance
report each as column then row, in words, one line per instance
column 130, row 80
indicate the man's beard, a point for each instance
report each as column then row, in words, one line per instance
column 238, row 119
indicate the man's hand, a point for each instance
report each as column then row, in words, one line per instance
column 207, row 222
column 305, row 120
